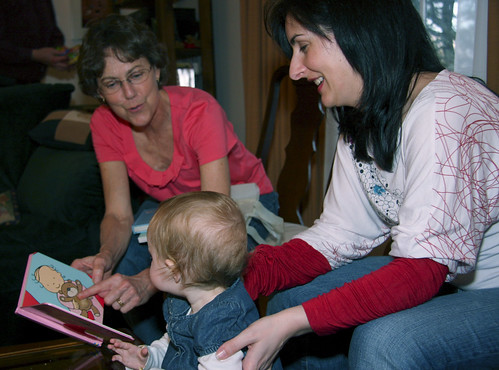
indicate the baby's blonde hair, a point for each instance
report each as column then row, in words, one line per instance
column 204, row 234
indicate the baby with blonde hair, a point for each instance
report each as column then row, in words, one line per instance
column 198, row 246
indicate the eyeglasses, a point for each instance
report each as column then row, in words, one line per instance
column 113, row 85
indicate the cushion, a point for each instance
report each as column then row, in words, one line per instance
column 64, row 129
column 291, row 230
column 63, row 185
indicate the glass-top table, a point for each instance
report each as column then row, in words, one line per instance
column 57, row 354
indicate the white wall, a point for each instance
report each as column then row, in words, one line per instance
column 68, row 16
column 228, row 63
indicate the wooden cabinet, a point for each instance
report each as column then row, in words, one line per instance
column 160, row 14
column 165, row 25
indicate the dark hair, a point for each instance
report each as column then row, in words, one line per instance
column 128, row 40
column 385, row 41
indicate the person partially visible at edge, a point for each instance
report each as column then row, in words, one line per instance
column 198, row 245
column 29, row 41
column 417, row 163
column 168, row 140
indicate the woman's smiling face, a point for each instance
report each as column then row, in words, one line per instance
column 321, row 61
column 135, row 103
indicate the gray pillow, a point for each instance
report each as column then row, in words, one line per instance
column 62, row 185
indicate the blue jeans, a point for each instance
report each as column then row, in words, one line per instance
column 147, row 321
column 453, row 331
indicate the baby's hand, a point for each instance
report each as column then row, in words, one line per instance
column 128, row 354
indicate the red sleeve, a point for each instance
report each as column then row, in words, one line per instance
column 402, row 284
column 274, row 268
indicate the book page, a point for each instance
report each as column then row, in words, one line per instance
column 49, row 297
column 51, row 281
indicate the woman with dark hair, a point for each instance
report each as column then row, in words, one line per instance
column 128, row 41
column 167, row 139
column 417, row 163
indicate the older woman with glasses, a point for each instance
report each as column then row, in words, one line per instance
column 167, row 139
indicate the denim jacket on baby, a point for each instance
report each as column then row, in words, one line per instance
column 202, row 333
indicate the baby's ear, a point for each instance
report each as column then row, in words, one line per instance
column 173, row 269
column 169, row 263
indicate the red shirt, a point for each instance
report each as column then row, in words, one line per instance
column 201, row 134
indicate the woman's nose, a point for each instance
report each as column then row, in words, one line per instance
column 128, row 89
column 296, row 69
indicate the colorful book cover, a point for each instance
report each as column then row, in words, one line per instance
column 142, row 222
column 48, row 297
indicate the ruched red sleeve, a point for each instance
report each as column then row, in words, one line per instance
column 272, row 268
column 402, row 284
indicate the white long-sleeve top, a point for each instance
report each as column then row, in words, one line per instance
column 440, row 201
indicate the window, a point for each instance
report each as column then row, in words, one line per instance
column 458, row 29
column 440, row 18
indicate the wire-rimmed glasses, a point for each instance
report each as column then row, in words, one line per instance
column 112, row 85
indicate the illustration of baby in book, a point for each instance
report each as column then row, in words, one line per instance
column 66, row 291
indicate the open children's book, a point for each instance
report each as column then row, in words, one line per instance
column 48, row 297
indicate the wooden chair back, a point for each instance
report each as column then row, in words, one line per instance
column 294, row 180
